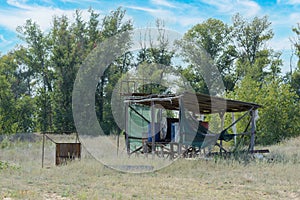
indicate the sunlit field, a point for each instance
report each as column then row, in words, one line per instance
column 274, row 176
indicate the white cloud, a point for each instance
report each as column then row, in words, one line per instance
column 280, row 44
column 18, row 3
column 294, row 18
column 291, row 2
column 149, row 10
column 246, row 7
column 169, row 16
column 10, row 18
column 2, row 39
column 163, row 3
column 5, row 44
column 79, row 2
column 222, row 6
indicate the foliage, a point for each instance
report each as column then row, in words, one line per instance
column 154, row 63
column 214, row 37
column 36, row 79
column 295, row 82
column 296, row 41
column 46, row 68
column 112, row 26
column 254, row 58
column 279, row 116
column 16, row 106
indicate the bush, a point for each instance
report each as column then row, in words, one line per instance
column 279, row 118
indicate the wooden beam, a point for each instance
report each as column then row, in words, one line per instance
column 43, row 150
column 222, row 127
column 253, row 125
column 233, row 127
column 126, row 128
column 153, row 127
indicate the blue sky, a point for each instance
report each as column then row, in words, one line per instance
column 178, row 15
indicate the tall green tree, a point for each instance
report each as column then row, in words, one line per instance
column 215, row 39
column 296, row 74
column 7, row 109
column 93, row 32
column 16, row 105
column 154, row 60
column 254, row 58
column 111, row 26
column 69, row 48
column 35, row 59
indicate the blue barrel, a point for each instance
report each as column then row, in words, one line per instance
column 172, row 132
column 157, row 133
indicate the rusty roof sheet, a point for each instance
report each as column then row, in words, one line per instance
column 195, row 102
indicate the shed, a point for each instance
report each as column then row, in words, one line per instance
column 192, row 134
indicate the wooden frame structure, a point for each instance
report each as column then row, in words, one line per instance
column 64, row 151
column 196, row 103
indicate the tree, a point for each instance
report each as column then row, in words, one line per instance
column 154, row 61
column 36, row 67
column 296, row 74
column 112, row 25
column 214, row 38
column 16, row 105
column 69, row 48
column 7, row 109
column 254, row 58
column 279, row 116
column 93, row 32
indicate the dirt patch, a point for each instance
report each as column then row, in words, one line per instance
column 53, row 196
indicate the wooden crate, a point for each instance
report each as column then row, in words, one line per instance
column 66, row 152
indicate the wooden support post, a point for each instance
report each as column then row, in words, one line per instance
column 179, row 150
column 233, row 127
column 118, row 144
column 181, row 139
column 153, row 127
column 253, row 127
column 171, row 150
column 126, row 128
column 162, row 150
column 221, row 114
column 43, row 150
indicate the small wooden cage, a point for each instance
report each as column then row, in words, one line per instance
column 67, row 151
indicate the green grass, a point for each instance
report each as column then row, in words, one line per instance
column 276, row 176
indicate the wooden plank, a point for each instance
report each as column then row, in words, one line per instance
column 67, row 151
column 126, row 129
column 153, row 127
column 252, row 139
column 260, row 151
column 43, row 150
column 57, row 161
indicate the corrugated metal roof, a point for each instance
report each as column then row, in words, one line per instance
column 195, row 102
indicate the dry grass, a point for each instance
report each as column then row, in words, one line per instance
column 276, row 177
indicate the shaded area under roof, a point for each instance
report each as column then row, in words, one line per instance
column 197, row 103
